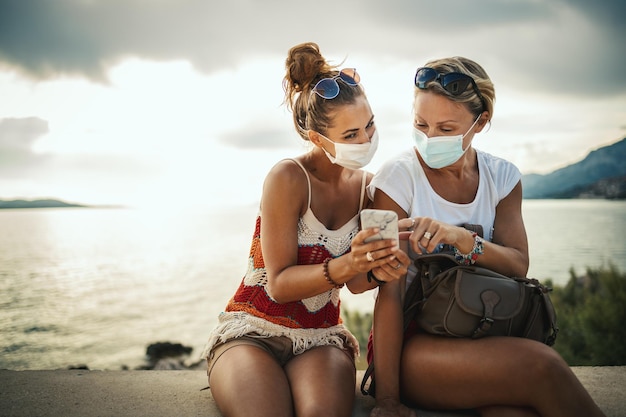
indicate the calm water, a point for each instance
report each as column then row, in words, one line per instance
column 95, row 287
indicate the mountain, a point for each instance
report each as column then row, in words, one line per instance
column 601, row 174
column 44, row 203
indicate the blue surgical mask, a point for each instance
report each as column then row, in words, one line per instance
column 440, row 151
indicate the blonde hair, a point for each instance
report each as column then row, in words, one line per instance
column 305, row 66
column 469, row 97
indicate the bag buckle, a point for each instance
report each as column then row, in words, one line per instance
column 483, row 327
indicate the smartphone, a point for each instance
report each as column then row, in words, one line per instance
column 385, row 220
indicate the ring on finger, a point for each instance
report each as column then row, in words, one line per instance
column 428, row 235
column 369, row 257
column 398, row 266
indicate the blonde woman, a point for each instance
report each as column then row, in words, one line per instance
column 435, row 186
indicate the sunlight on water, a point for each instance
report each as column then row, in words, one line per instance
column 566, row 234
column 95, row 286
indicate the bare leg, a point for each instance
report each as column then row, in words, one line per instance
column 322, row 382
column 504, row 411
column 498, row 373
column 248, row 381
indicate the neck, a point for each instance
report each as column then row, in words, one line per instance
column 320, row 166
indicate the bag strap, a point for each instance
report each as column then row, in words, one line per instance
column 547, row 305
column 427, row 265
column 366, row 376
column 414, row 298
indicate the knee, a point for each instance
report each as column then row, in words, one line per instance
column 322, row 408
column 547, row 367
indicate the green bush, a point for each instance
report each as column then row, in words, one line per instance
column 591, row 315
column 360, row 325
column 591, row 311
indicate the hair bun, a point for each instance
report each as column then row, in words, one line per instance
column 304, row 63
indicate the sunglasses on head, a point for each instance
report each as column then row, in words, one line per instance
column 328, row 88
column 454, row 83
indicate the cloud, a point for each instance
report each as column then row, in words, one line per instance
column 542, row 44
column 19, row 161
column 17, row 137
column 254, row 138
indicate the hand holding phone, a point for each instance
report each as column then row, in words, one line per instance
column 385, row 220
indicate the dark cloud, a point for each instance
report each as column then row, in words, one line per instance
column 609, row 14
column 536, row 42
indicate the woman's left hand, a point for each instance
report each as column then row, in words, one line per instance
column 393, row 269
column 426, row 233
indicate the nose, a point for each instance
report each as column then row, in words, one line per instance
column 364, row 138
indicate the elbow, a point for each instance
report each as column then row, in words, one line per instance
column 524, row 265
column 520, row 269
column 275, row 293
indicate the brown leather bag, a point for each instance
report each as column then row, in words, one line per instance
column 454, row 300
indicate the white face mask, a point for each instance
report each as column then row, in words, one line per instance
column 353, row 155
column 440, row 151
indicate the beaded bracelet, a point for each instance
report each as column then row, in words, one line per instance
column 471, row 257
column 371, row 276
column 327, row 275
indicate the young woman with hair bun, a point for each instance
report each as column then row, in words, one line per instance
column 280, row 348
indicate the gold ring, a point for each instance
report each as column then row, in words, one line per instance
column 369, row 256
column 398, row 266
column 428, row 235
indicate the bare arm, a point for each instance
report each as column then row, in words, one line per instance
column 388, row 331
column 507, row 254
column 284, row 200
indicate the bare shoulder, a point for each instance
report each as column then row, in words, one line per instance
column 286, row 173
column 286, row 186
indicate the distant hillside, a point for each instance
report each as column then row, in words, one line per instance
column 602, row 174
column 44, row 203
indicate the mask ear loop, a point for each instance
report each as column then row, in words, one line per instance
column 468, row 130
column 318, row 142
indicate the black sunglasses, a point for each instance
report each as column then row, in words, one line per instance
column 328, row 88
column 454, row 83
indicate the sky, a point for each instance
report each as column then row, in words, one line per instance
column 179, row 102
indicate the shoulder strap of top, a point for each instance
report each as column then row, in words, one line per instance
column 308, row 180
column 363, row 186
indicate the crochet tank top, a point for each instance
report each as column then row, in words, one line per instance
column 309, row 322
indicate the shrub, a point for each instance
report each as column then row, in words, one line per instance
column 591, row 312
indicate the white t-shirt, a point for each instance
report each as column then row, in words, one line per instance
column 403, row 179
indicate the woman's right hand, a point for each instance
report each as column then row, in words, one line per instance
column 384, row 257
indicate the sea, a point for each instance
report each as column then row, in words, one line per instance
column 96, row 286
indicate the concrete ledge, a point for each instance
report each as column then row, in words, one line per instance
column 180, row 393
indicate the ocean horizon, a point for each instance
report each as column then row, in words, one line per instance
column 97, row 286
